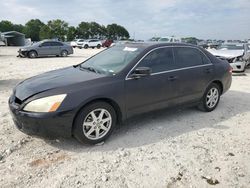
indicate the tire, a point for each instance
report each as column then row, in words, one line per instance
column 88, row 133
column 86, row 46
column 98, row 46
column 214, row 91
column 64, row 53
column 32, row 54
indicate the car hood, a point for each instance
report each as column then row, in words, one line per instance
column 227, row 53
column 53, row 79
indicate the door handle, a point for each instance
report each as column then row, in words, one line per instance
column 172, row 78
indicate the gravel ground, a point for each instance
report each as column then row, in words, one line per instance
column 168, row 148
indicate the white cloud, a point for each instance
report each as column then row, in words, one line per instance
column 147, row 18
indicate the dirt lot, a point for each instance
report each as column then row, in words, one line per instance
column 170, row 148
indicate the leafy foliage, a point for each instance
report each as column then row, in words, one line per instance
column 37, row 30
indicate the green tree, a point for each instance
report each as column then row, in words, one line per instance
column 6, row 25
column 45, row 33
column 32, row 29
column 83, row 30
column 71, row 33
column 116, row 31
column 58, row 28
column 18, row 27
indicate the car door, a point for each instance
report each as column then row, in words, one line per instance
column 44, row 49
column 153, row 91
column 56, row 48
column 194, row 72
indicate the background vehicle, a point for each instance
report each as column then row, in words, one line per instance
column 237, row 54
column 91, row 43
column 74, row 42
column 88, row 99
column 107, row 43
column 169, row 39
column 80, row 42
column 46, row 48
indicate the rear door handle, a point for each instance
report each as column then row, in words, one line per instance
column 172, row 78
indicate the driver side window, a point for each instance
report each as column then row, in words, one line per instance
column 159, row 60
column 45, row 44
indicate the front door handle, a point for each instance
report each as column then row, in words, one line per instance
column 172, row 78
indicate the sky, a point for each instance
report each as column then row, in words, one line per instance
column 205, row 19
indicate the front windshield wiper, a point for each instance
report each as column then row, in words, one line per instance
column 92, row 69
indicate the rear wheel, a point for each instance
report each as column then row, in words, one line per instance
column 94, row 123
column 98, row 46
column 64, row 53
column 86, row 46
column 32, row 54
column 211, row 98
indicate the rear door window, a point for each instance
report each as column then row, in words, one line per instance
column 187, row 57
column 159, row 60
column 46, row 44
column 56, row 44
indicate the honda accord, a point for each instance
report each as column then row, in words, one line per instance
column 89, row 99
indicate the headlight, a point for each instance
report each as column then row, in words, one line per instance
column 46, row 104
column 23, row 50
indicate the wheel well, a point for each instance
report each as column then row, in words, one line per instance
column 32, row 51
column 110, row 102
column 64, row 50
column 219, row 84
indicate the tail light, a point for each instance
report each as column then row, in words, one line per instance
column 230, row 70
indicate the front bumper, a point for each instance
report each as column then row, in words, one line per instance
column 238, row 66
column 54, row 124
column 22, row 53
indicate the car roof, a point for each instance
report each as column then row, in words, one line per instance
column 155, row 44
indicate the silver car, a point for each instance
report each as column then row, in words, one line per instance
column 46, row 48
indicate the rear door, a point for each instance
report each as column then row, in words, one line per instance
column 194, row 72
column 153, row 91
column 56, row 48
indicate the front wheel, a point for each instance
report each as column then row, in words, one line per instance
column 32, row 54
column 211, row 98
column 94, row 123
column 98, row 46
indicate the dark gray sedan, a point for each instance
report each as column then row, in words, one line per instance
column 88, row 100
column 46, row 48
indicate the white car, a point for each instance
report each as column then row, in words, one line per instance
column 91, row 43
column 74, row 43
column 169, row 39
column 238, row 55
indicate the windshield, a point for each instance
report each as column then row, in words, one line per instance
column 112, row 60
column 231, row 47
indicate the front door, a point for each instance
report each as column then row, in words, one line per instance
column 151, row 92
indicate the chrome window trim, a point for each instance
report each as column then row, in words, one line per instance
column 162, row 72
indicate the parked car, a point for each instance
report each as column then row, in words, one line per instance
column 91, row 43
column 107, row 43
column 238, row 55
column 75, row 42
column 46, row 48
column 88, row 100
column 169, row 39
column 80, row 42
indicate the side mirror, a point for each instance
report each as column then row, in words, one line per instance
column 141, row 72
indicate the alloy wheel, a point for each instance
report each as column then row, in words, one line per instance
column 212, row 97
column 97, row 124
